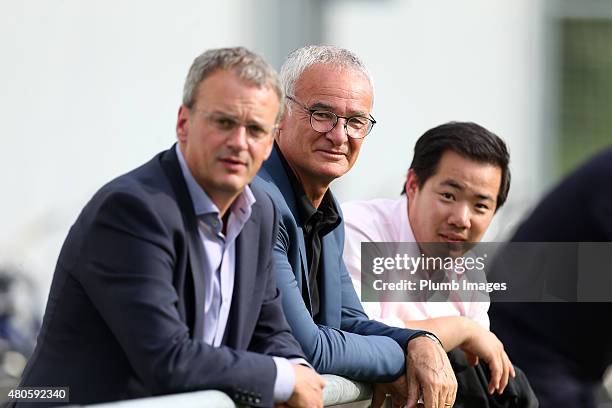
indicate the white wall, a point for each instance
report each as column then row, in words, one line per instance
column 440, row 60
column 90, row 90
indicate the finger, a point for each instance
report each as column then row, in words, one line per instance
column 509, row 371
column 444, row 396
column 413, row 394
column 431, row 397
column 448, row 398
column 505, row 374
column 378, row 397
column 455, row 387
column 420, row 402
column 512, row 370
column 447, row 401
column 472, row 359
column 397, row 401
column 320, row 401
column 495, row 366
column 399, row 387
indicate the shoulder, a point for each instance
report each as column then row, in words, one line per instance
column 147, row 179
column 381, row 205
column 144, row 190
column 265, row 182
column 266, row 186
column 263, row 201
column 378, row 206
column 374, row 220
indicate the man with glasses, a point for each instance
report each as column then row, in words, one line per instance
column 165, row 281
column 329, row 100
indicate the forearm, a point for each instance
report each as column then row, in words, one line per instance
column 453, row 331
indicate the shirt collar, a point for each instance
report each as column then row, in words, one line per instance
column 405, row 234
column 305, row 208
column 202, row 204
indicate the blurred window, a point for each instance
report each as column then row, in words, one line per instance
column 586, row 90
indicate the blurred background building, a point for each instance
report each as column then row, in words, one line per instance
column 90, row 89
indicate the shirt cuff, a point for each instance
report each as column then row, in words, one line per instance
column 285, row 380
column 429, row 335
column 300, row 361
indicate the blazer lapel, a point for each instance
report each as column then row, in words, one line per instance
column 276, row 172
column 304, row 272
column 245, row 271
column 170, row 164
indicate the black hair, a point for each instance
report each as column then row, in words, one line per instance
column 467, row 139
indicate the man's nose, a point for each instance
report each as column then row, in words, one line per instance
column 460, row 216
column 238, row 138
column 338, row 134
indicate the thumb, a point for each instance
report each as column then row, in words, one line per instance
column 413, row 392
column 378, row 397
column 472, row 359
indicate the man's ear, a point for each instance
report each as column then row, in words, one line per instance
column 182, row 124
column 281, row 124
column 281, row 120
column 412, row 184
column 271, row 144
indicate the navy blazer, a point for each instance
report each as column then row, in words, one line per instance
column 564, row 366
column 126, row 310
column 343, row 341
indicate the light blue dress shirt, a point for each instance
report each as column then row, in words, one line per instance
column 219, row 263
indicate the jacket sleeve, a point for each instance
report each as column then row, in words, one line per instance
column 126, row 267
column 366, row 356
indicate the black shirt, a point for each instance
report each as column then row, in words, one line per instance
column 315, row 223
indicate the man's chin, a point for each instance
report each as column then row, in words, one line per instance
column 445, row 248
column 457, row 249
column 231, row 184
column 332, row 170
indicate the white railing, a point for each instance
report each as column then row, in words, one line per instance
column 338, row 391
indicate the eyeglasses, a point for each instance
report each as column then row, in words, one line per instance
column 356, row 127
column 227, row 123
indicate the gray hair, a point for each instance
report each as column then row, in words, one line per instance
column 244, row 63
column 299, row 60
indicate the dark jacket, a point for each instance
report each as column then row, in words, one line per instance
column 125, row 313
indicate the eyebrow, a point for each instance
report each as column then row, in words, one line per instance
column 461, row 187
column 325, row 106
column 252, row 122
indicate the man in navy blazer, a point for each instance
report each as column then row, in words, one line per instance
column 329, row 100
column 565, row 367
column 165, row 281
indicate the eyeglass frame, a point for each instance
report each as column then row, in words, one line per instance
column 346, row 118
column 248, row 127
